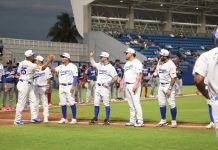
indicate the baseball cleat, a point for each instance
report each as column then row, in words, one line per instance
column 210, row 126
column 36, row 120
column 106, row 122
column 173, row 124
column 129, row 124
column 73, row 121
column 63, row 121
column 93, row 121
column 45, row 120
column 139, row 124
column 162, row 123
column 19, row 122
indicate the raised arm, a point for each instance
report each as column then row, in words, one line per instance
column 50, row 58
column 91, row 54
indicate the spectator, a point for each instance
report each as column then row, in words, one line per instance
column 145, row 78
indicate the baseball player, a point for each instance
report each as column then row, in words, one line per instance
column 26, row 71
column 107, row 75
column 119, row 69
column 179, row 80
column 145, row 78
column 41, row 86
column 67, row 76
column 206, row 66
column 91, row 77
column 81, row 73
column 8, row 81
column 154, row 79
column 166, row 70
column 202, row 72
column 132, row 79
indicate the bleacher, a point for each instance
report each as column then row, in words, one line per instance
column 179, row 45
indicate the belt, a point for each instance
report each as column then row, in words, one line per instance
column 41, row 85
column 25, row 81
column 65, row 84
column 100, row 84
column 164, row 83
column 129, row 83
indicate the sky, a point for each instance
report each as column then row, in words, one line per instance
column 30, row 19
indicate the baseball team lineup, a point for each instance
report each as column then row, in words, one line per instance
column 34, row 80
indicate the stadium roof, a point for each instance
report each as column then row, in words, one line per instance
column 210, row 7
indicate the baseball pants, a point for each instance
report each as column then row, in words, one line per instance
column 79, row 90
column 8, row 94
column 179, row 86
column 40, row 95
column 134, row 103
column 25, row 92
column 90, row 91
column 101, row 93
column 154, row 83
column 162, row 98
column 214, row 104
column 65, row 95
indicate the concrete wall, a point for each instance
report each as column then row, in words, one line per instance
column 99, row 41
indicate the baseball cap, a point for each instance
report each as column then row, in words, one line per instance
column 9, row 62
column 130, row 50
column 67, row 55
column 164, row 52
column 39, row 58
column 104, row 54
column 29, row 53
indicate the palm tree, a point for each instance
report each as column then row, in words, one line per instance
column 64, row 30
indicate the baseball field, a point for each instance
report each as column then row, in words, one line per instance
column 191, row 133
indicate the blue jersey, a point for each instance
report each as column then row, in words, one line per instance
column 9, row 76
column 91, row 73
column 145, row 73
column 120, row 72
column 81, row 72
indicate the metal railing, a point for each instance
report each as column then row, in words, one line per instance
column 17, row 47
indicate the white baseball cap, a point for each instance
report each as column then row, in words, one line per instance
column 29, row 53
column 164, row 52
column 39, row 58
column 67, row 55
column 130, row 50
column 104, row 54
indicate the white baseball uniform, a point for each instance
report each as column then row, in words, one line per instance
column 40, row 86
column 25, row 89
column 65, row 77
column 105, row 75
column 166, row 71
column 131, row 69
column 207, row 66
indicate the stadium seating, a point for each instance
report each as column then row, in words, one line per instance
column 179, row 45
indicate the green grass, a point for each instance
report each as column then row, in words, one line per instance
column 191, row 109
column 84, row 137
